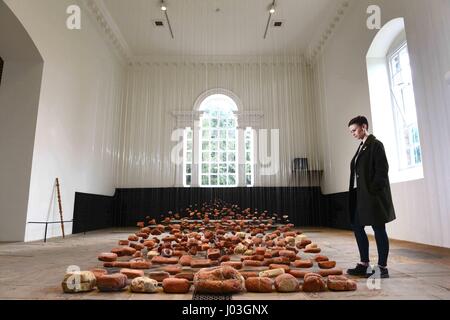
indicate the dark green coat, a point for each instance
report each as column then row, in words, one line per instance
column 372, row 199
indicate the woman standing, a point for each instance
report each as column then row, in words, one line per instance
column 370, row 198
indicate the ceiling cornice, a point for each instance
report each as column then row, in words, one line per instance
column 263, row 59
column 108, row 26
column 106, row 23
column 327, row 30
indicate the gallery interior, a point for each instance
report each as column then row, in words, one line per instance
column 203, row 149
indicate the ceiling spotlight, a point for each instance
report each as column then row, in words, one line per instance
column 163, row 6
column 271, row 12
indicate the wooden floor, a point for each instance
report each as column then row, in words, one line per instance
column 35, row 270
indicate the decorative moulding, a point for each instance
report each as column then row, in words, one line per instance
column 214, row 91
column 246, row 119
column 251, row 119
column 327, row 30
column 185, row 119
column 106, row 23
column 141, row 61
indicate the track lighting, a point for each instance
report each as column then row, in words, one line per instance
column 271, row 12
column 164, row 9
column 163, row 6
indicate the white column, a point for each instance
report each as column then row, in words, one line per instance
column 178, row 136
column 241, row 157
column 195, row 154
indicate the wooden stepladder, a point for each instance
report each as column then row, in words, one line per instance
column 58, row 192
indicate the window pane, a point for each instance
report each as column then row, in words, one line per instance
column 188, row 180
column 188, row 168
column 248, row 180
column 205, row 123
column 218, row 144
column 222, row 180
column 404, row 106
column 248, row 157
column 415, row 135
column 418, row 155
column 189, row 157
column 408, row 156
column 248, row 168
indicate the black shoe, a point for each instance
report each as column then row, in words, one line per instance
column 380, row 273
column 360, row 271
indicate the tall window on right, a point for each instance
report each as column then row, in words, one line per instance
column 392, row 101
column 404, row 109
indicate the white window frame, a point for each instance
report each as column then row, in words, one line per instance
column 387, row 41
column 250, row 162
column 401, row 148
column 227, row 152
column 248, row 119
column 185, row 152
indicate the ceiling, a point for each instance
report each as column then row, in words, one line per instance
column 218, row 27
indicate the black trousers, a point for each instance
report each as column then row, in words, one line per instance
column 381, row 238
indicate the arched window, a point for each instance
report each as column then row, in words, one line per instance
column 218, row 142
column 219, row 146
column 393, row 103
column 404, row 108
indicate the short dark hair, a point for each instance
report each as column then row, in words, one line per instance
column 360, row 121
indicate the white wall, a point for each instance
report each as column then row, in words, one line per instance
column 19, row 101
column 77, row 125
column 278, row 90
column 422, row 206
